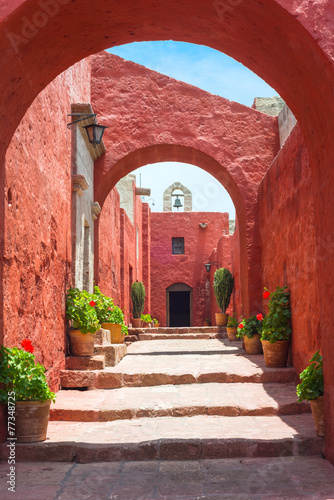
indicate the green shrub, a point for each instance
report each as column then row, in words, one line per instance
column 223, row 287
column 147, row 318
column 276, row 326
column 138, row 298
column 116, row 316
column 232, row 321
column 312, row 380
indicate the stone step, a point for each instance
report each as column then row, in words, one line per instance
column 173, row 438
column 178, row 330
column 164, row 362
column 113, row 353
column 183, row 336
column 85, row 362
column 176, row 401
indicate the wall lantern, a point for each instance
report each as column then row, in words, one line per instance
column 94, row 130
column 209, row 264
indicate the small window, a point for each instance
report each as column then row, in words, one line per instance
column 177, row 246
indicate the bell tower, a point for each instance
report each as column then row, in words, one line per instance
column 177, row 197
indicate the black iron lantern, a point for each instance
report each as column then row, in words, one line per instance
column 177, row 203
column 209, row 264
column 95, row 133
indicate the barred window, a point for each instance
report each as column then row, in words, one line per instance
column 177, row 246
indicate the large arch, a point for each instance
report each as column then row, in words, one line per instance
column 289, row 44
column 155, row 118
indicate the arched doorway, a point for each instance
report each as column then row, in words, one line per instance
column 179, row 305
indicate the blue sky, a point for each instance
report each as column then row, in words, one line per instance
column 209, row 70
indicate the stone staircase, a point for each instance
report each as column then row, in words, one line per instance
column 166, row 333
column 176, row 399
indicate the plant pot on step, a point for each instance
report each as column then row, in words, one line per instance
column 232, row 333
column 136, row 322
column 253, row 344
column 317, row 407
column 221, row 319
column 81, row 344
column 206, row 322
column 31, row 420
column 116, row 335
column 276, row 354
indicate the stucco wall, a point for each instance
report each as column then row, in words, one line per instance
column 188, row 268
column 37, row 236
column 288, row 242
column 84, row 227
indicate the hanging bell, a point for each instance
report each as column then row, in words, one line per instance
column 177, row 203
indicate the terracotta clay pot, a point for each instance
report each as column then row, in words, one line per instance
column 31, row 420
column 81, row 344
column 206, row 323
column 116, row 335
column 156, row 325
column 317, row 407
column 136, row 322
column 221, row 319
column 232, row 333
column 253, row 345
column 276, row 355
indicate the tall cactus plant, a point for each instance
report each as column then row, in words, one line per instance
column 138, row 298
column 223, row 287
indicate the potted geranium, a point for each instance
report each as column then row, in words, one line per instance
column 250, row 331
column 24, row 389
column 138, row 301
column 156, row 323
column 223, row 287
column 81, row 312
column 311, row 389
column 276, row 331
column 232, row 327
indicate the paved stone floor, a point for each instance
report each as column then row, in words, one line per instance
column 293, row 478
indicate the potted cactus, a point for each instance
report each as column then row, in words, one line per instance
column 138, row 301
column 223, row 287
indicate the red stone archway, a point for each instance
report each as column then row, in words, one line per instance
column 154, row 118
column 289, row 44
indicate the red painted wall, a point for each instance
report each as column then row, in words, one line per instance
column 235, row 257
column 288, row 243
column 109, row 257
column 146, row 254
column 37, row 233
column 167, row 269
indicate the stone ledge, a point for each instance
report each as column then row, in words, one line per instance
column 85, row 363
column 102, row 337
column 113, row 353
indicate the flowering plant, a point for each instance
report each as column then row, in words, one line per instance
column 249, row 327
column 312, row 380
column 81, row 310
column 232, row 321
column 116, row 316
column 21, row 374
column 276, row 326
column 103, row 306
column 125, row 329
column 155, row 321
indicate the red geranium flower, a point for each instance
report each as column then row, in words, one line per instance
column 92, row 303
column 259, row 317
column 27, row 345
column 266, row 295
column 241, row 325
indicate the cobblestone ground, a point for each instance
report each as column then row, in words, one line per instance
column 294, row 478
